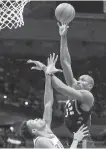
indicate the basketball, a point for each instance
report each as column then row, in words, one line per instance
column 64, row 13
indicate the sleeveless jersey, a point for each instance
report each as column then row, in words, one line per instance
column 53, row 139
column 75, row 116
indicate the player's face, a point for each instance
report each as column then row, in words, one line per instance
column 83, row 82
column 36, row 124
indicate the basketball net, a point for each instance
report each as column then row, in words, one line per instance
column 11, row 13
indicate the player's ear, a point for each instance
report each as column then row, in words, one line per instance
column 90, row 86
column 34, row 131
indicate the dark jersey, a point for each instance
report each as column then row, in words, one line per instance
column 75, row 116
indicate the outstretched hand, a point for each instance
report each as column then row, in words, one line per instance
column 63, row 28
column 51, row 65
column 81, row 133
column 50, row 68
column 39, row 65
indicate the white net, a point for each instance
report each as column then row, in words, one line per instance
column 11, row 13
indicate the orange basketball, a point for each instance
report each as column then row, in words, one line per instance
column 65, row 13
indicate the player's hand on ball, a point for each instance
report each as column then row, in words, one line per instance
column 81, row 133
column 39, row 65
column 51, row 65
column 63, row 29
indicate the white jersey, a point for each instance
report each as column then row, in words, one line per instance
column 53, row 139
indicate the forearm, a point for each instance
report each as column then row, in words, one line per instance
column 74, row 144
column 48, row 95
column 59, row 86
column 48, row 101
column 64, row 52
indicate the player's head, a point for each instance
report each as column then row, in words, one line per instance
column 85, row 82
column 32, row 128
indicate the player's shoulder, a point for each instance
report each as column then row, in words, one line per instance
column 38, row 142
column 88, row 95
column 43, row 142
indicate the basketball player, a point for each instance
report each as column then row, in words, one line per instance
column 78, row 107
column 40, row 129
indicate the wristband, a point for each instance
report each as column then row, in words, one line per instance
column 48, row 74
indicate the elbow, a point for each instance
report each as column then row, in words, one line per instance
column 62, row 58
column 65, row 62
column 58, row 88
column 49, row 105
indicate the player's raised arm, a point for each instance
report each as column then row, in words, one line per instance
column 48, row 100
column 48, row 95
column 65, row 58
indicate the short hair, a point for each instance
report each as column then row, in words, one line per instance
column 91, row 80
column 25, row 132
